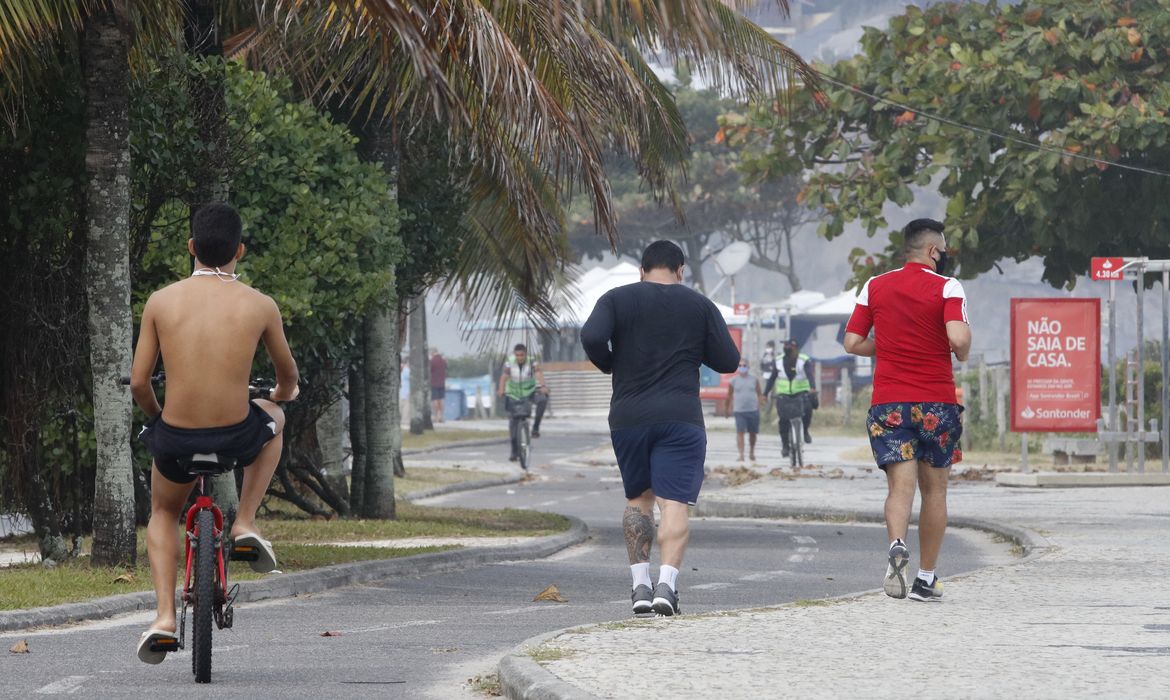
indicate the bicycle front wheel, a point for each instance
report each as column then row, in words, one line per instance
column 797, row 428
column 525, row 440
column 203, row 603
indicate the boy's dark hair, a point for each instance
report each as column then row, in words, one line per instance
column 519, row 347
column 216, row 228
column 915, row 233
column 662, row 254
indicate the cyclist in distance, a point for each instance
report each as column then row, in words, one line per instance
column 206, row 329
column 792, row 378
column 522, row 379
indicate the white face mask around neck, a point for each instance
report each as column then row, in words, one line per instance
column 217, row 273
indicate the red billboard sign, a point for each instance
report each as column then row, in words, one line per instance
column 1056, row 365
column 1106, row 269
column 741, row 308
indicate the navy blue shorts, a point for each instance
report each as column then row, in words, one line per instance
column 241, row 442
column 666, row 458
column 928, row 432
column 747, row 422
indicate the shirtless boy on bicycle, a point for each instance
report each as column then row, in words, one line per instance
column 207, row 328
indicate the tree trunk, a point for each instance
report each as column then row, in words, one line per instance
column 330, row 429
column 203, row 40
column 357, row 439
column 105, row 48
column 383, row 430
column 381, row 344
column 420, row 385
column 694, row 261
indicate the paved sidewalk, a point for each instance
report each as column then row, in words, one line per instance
column 1086, row 614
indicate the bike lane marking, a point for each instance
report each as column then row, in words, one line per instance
column 68, row 684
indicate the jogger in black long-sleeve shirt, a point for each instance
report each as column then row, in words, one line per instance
column 652, row 336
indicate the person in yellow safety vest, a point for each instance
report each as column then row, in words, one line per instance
column 791, row 382
column 521, row 380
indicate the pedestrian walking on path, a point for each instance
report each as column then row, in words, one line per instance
column 919, row 319
column 652, row 336
column 438, row 385
column 743, row 392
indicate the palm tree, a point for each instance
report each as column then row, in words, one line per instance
column 534, row 92
column 532, row 99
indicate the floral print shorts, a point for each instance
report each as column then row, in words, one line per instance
column 929, row 432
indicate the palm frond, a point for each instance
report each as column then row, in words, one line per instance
column 30, row 31
column 730, row 51
column 501, row 271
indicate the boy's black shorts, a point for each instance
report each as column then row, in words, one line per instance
column 241, row 442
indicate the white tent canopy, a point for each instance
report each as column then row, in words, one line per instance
column 586, row 290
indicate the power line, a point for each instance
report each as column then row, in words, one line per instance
column 991, row 132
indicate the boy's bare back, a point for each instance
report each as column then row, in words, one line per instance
column 207, row 329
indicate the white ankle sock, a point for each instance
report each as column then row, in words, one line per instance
column 927, row 576
column 641, row 574
column 897, row 541
column 668, row 575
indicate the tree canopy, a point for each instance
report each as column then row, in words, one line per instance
column 1064, row 150
column 717, row 203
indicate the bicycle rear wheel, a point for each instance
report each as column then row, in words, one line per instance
column 525, row 440
column 204, row 599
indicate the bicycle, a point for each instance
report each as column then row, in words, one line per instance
column 519, row 411
column 793, row 406
column 206, row 550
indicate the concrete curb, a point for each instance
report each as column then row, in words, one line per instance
column 464, row 486
column 522, row 678
column 303, row 582
column 478, row 442
column 1033, row 543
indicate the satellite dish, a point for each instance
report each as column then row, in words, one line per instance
column 733, row 258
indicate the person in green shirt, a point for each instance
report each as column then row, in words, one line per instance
column 522, row 380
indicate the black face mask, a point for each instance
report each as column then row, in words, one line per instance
column 940, row 265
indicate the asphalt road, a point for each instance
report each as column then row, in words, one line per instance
column 425, row 636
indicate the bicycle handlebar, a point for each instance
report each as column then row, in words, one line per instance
column 256, row 384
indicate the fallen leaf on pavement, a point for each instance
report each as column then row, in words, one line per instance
column 20, row 647
column 330, row 633
column 551, row 593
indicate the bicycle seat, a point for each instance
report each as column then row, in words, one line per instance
column 206, row 464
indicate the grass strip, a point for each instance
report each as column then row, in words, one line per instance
column 33, row 585
column 443, row 436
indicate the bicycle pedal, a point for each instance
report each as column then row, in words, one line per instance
column 244, row 552
column 167, row 644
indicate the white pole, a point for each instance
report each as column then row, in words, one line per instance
column 1141, row 365
column 1165, row 372
column 1112, row 308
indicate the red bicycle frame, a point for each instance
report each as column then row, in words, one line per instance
column 203, row 502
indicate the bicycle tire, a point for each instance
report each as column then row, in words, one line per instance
column 796, row 428
column 204, row 600
column 525, row 440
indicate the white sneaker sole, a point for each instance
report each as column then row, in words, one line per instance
column 663, row 607
column 642, row 607
column 895, row 582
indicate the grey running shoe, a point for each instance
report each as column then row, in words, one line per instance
column 895, row 583
column 925, row 592
column 665, row 600
column 643, row 599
